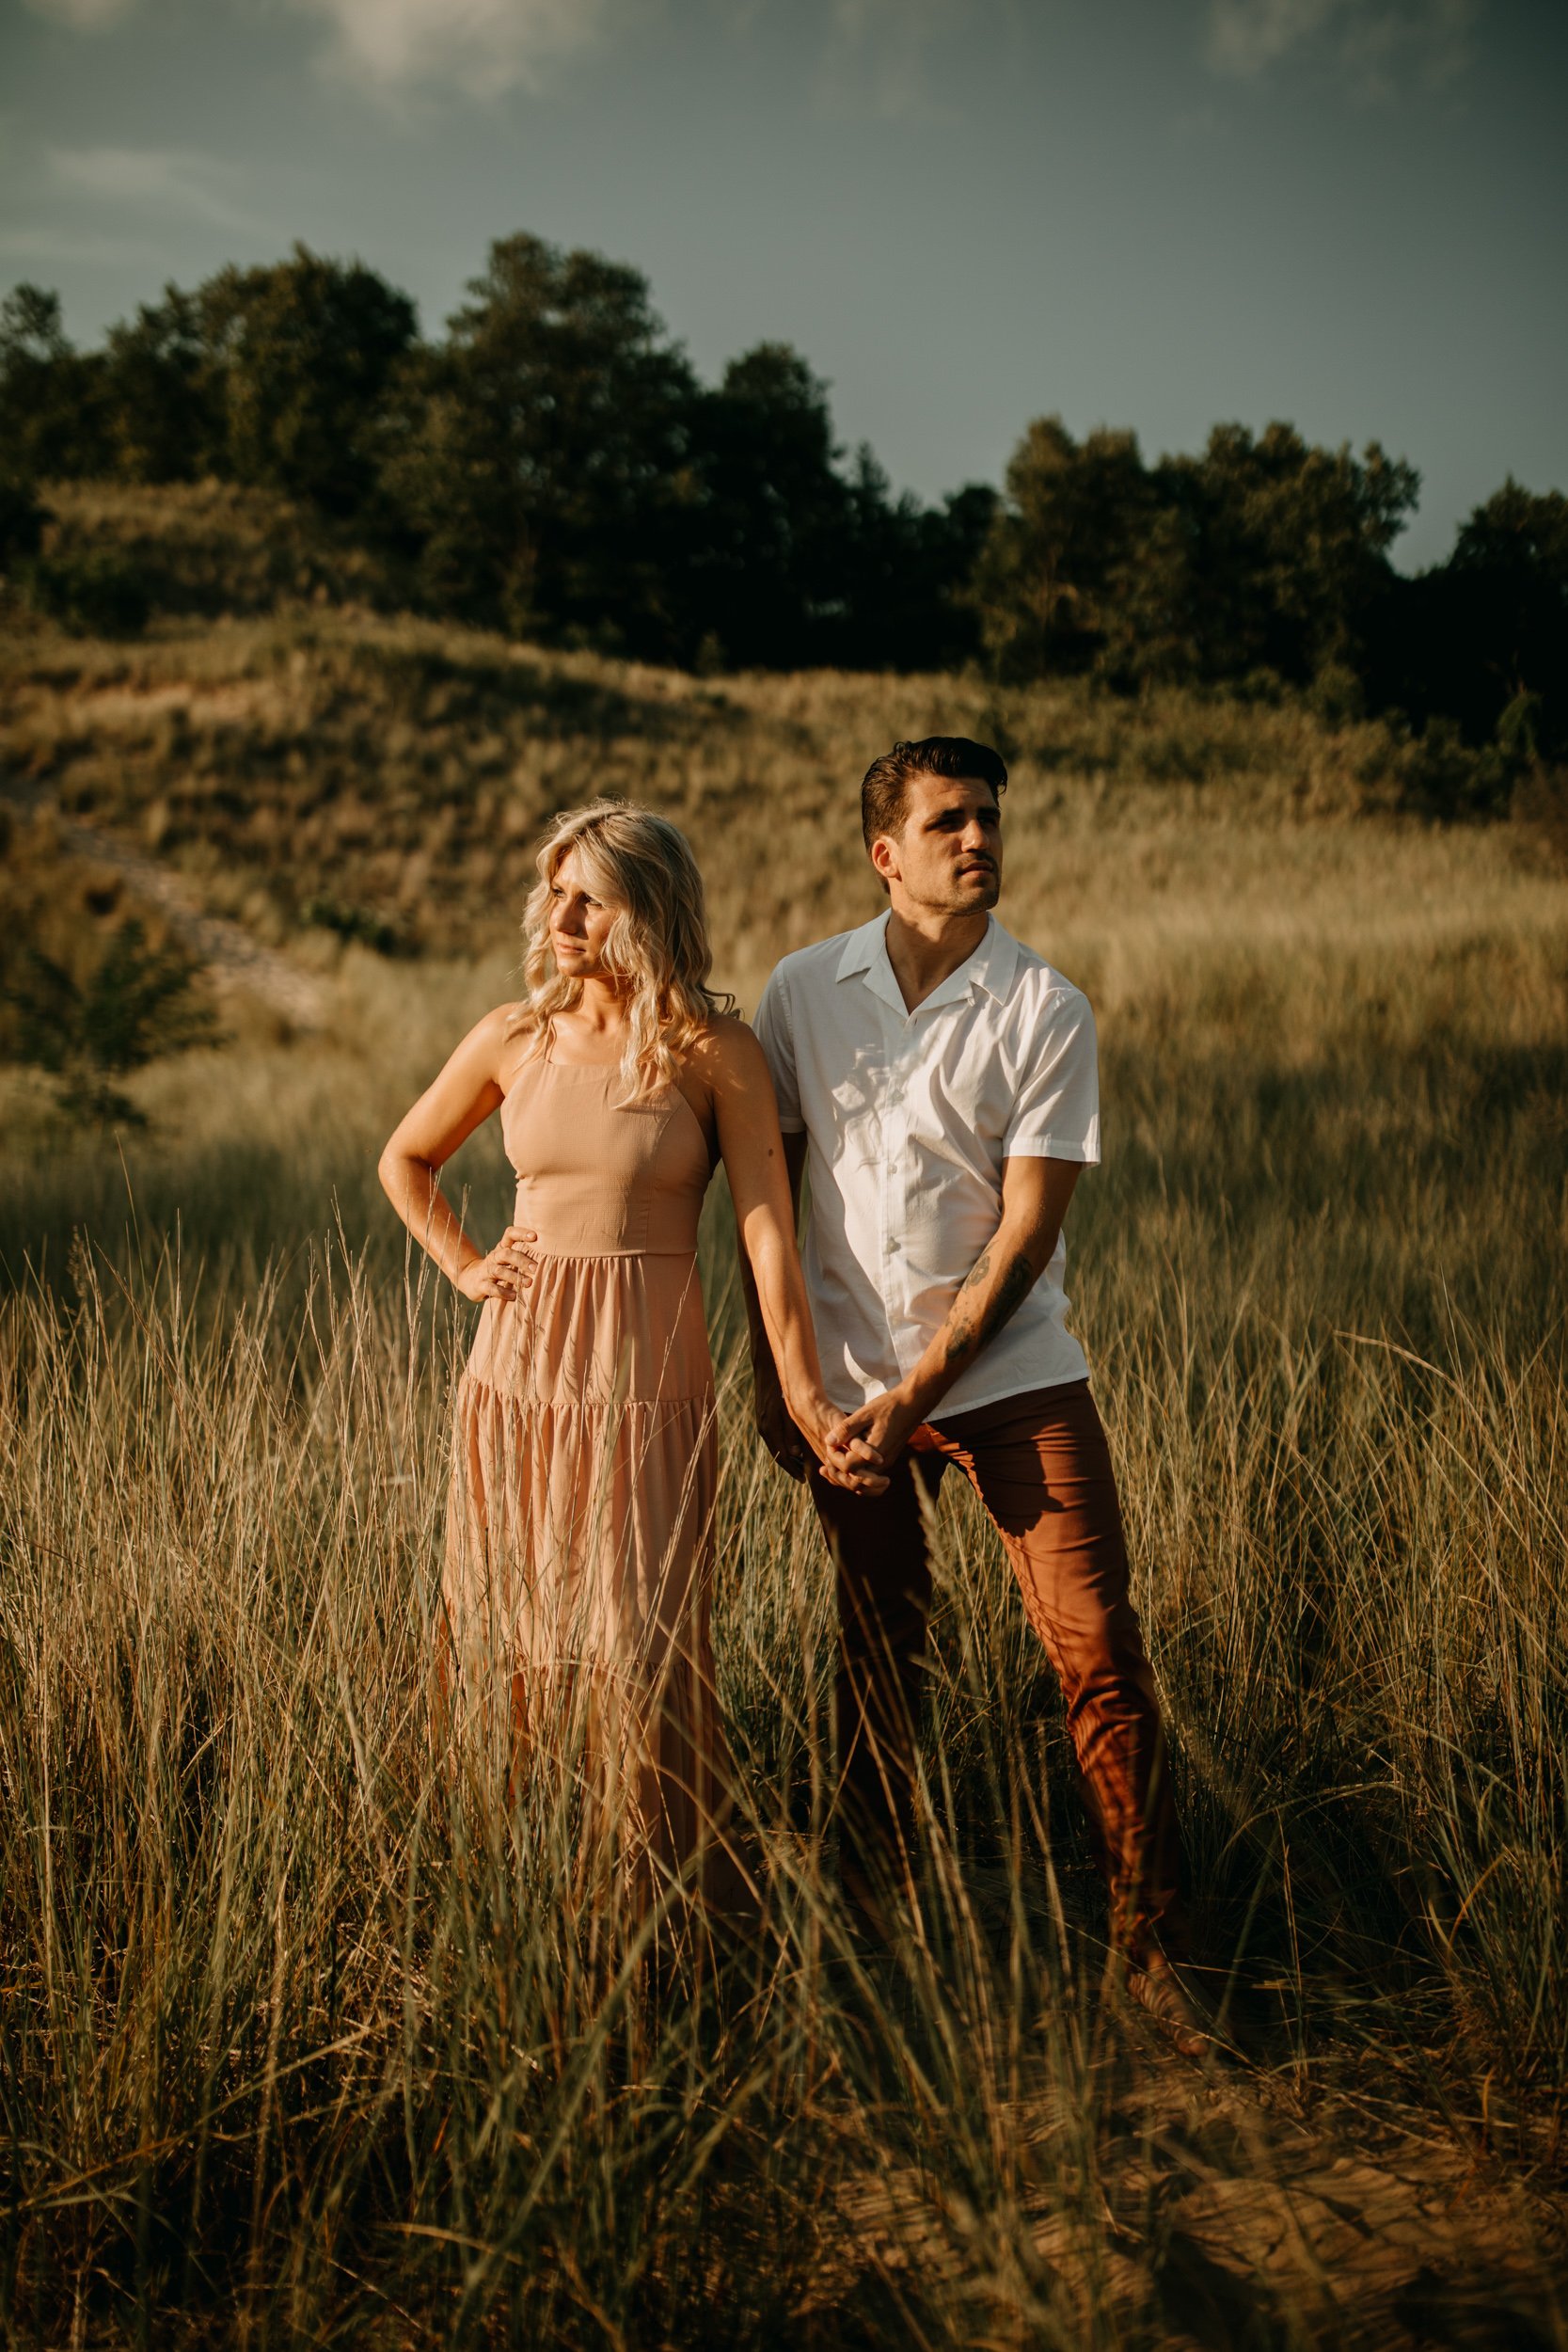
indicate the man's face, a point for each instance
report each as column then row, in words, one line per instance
column 946, row 858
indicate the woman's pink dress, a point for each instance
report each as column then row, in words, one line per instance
column 580, row 1547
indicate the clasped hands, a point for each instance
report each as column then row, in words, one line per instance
column 853, row 1450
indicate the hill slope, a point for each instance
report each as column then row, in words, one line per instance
column 312, row 765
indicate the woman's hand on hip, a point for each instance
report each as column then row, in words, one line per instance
column 508, row 1270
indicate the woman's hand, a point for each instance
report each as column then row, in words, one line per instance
column 468, row 1089
column 848, row 1463
column 775, row 1424
column 506, row 1272
column 879, row 1430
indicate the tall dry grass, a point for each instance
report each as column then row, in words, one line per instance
column 304, row 2038
column 307, row 2037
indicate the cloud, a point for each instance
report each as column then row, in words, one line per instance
column 1246, row 36
column 399, row 47
column 480, row 47
column 879, row 57
column 83, row 16
column 65, row 247
column 159, row 179
column 1375, row 44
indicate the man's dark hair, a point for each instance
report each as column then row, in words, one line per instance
column 885, row 792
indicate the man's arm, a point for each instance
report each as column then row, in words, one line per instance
column 1034, row 1198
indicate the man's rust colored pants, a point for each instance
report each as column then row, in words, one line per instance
column 1040, row 1465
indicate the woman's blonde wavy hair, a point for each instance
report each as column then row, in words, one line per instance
column 642, row 865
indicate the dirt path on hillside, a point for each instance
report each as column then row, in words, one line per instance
column 234, row 961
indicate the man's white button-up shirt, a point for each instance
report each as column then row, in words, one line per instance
column 910, row 1117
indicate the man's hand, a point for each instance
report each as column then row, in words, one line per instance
column 877, row 1431
column 1035, row 1197
column 848, row 1462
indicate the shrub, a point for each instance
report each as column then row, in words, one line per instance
column 137, row 1005
column 21, row 521
column 94, row 594
column 361, row 923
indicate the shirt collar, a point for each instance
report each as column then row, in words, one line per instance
column 990, row 967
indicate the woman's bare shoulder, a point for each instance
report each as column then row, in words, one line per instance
column 492, row 1044
column 725, row 1051
column 497, row 1026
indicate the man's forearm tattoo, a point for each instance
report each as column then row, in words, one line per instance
column 1014, row 1288
column 977, row 1272
column 1017, row 1282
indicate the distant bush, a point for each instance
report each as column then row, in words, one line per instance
column 1540, row 803
column 359, row 924
column 94, row 591
column 137, row 1005
column 22, row 515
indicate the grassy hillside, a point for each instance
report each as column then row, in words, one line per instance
column 387, row 779
column 301, row 2039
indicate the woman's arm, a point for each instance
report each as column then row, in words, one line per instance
column 730, row 1061
column 446, row 1115
column 774, row 1426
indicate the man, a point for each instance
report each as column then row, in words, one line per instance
column 942, row 1082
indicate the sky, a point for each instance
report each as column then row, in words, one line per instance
column 1149, row 213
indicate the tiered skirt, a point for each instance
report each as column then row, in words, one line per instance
column 580, row 1555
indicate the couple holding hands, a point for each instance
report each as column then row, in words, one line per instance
column 939, row 1082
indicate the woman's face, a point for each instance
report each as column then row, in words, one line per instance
column 579, row 922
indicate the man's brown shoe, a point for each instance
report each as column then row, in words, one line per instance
column 1156, row 1987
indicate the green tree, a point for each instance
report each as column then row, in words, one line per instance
column 53, row 407
column 1052, row 577
column 767, row 535
column 904, row 570
column 165, row 393
column 306, row 353
column 1512, row 561
column 1262, row 554
column 540, row 456
column 1280, row 553
column 1483, row 639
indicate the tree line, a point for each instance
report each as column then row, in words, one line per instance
column 553, row 466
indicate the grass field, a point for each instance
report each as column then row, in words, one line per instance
column 301, row 2042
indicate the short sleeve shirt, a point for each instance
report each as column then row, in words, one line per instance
column 910, row 1117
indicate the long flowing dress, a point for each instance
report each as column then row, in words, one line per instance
column 579, row 1532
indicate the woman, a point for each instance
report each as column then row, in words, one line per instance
column 580, row 1524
